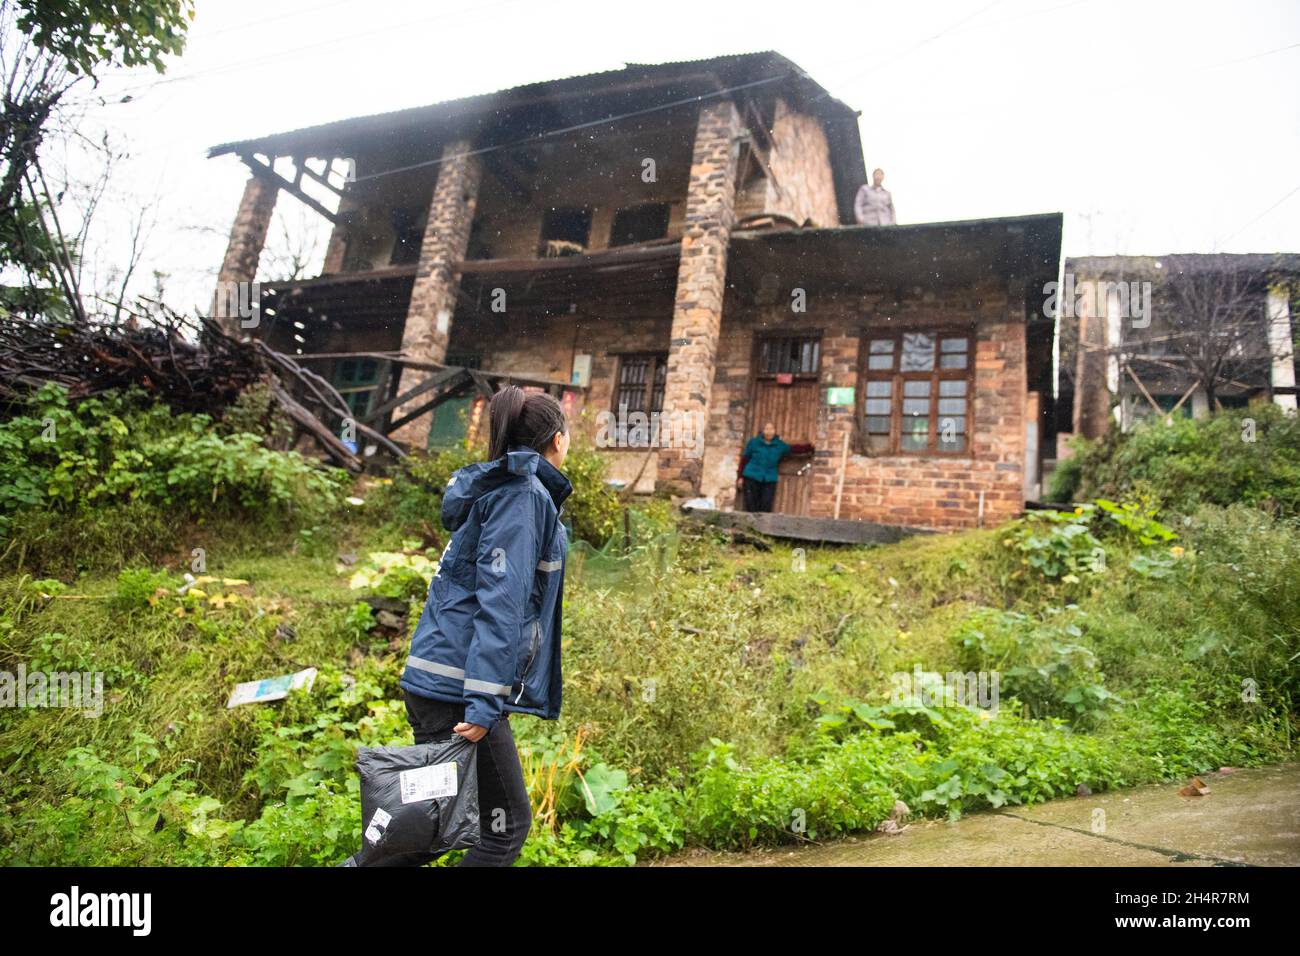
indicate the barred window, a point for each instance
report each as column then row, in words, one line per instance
column 796, row 355
column 641, row 379
column 916, row 398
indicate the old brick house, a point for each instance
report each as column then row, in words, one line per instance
column 673, row 239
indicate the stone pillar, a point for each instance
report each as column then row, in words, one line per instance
column 1281, row 349
column 247, row 236
column 701, row 284
column 433, row 296
column 1091, row 411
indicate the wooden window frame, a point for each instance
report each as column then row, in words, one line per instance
column 368, row 388
column 656, row 361
column 934, row 376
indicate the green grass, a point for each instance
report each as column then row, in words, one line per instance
column 702, row 685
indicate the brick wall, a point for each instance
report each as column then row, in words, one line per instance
column 804, row 186
column 363, row 238
column 940, row 491
column 931, row 491
column 602, row 326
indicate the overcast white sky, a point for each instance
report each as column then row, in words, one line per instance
column 1156, row 126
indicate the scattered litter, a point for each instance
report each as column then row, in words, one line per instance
column 699, row 504
column 1083, row 790
column 273, row 688
column 191, row 585
column 355, row 502
column 897, row 821
column 1196, row 788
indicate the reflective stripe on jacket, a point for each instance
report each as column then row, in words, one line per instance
column 490, row 631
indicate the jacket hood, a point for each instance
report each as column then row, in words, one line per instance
column 472, row 482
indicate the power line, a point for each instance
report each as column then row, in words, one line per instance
column 1258, row 218
column 127, row 94
column 309, row 11
column 906, row 53
column 603, row 121
column 698, row 98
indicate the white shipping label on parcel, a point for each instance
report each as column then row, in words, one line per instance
column 375, row 831
column 428, row 783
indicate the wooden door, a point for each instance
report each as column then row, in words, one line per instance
column 787, row 393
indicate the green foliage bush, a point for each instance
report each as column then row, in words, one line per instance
column 1042, row 662
column 121, row 448
column 1249, row 456
column 414, row 498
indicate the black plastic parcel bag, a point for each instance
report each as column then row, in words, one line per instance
column 417, row 802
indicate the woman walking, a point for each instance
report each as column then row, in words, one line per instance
column 488, row 642
column 757, row 474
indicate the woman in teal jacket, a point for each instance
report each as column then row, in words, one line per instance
column 757, row 474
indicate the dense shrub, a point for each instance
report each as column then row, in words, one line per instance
column 1248, row 455
column 414, row 498
column 122, row 450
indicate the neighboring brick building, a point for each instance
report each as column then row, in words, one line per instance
column 672, row 239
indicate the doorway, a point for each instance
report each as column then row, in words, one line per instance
column 787, row 376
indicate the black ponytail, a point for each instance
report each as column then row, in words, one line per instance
column 517, row 417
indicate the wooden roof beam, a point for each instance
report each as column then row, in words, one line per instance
column 267, row 172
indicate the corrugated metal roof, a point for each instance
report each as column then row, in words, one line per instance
column 766, row 61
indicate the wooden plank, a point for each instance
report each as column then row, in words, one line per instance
column 839, row 481
column 449, row 392
column 440, row 380
column 805, row 528
column 313, row 425
column 303, row 168
column 343, row 278
column 620, row 255
column 481, row 382
column 269, row 174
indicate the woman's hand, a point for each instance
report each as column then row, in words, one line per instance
column 471, row 732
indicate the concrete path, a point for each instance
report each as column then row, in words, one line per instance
column 1249, row 817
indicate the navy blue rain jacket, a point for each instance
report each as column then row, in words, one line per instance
column 490, row 632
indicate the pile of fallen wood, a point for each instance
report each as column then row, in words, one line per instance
column 193, row 365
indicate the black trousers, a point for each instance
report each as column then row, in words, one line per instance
column 505, row 815
column 759, row 495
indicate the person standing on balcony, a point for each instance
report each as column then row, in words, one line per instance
column 757, row 475
column 874, row 206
